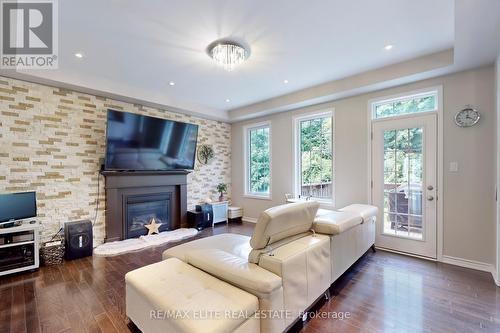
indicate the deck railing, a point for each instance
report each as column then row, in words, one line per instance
column 317, row 190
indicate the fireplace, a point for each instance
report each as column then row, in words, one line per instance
column 134, row 198
column 141, row 209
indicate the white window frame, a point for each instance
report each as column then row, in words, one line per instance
column 403, row 97
column 246, row 160
column 297, row 160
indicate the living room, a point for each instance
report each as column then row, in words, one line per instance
column 249, row 166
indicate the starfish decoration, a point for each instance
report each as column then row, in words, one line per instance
column 153, row 227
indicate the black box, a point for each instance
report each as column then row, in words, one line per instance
column 78, row 239
column 200, row 219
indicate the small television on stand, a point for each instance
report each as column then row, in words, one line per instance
column 19, row 242
column 15, row 207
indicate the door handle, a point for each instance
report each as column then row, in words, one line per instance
column 430, row 187
column 430, row 198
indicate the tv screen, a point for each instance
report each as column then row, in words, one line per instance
column 17, row 206
column 135, row 142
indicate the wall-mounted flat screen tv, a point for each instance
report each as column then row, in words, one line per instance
column 141, row 143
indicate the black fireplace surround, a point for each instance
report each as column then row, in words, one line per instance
column 134, row 198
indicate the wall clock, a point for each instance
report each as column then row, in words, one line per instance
column 467, row 117
column 205, row 153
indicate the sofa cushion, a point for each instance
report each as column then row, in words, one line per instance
column 280, row 222
column 235, row 270
column 336, row 222
column 235, row 244
column 173, row 286
column 322, row 212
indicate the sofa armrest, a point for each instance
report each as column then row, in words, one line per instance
column 365, row 211
column 235, row 270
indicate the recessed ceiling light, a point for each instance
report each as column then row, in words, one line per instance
column 388, row 47
column 79, row 55
column 228, row 100
column 172, row 83
column 285, row 81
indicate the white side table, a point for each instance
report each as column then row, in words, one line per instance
column 220, row 211
column 234, row 214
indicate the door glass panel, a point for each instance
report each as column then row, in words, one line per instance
column 402, row 225
column 390, row 224
column 387, row 204
column 389, row 162
column 403, row 183
column 415, row 225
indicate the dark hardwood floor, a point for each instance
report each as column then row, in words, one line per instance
column 382, row 292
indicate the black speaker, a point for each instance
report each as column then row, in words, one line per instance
column 208, row 215
column 200, row 219
column 78, row 239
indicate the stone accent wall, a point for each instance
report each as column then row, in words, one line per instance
column 52, row 141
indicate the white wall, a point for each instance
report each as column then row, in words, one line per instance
column 497, row 90
column 469, row 195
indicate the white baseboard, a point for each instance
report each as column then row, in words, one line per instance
column 404, row 253
column 249, row 219
column 473, row 264
column 495, row 277
column 477, row 265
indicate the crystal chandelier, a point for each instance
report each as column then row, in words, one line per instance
column 228, row 54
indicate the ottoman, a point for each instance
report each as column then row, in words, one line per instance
column 172, row 296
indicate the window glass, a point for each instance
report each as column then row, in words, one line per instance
column 258, row 161
column 316, row 157
column 407, row 105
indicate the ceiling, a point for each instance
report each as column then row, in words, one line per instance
column 135, row 48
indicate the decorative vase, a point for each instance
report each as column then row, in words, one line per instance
column 221, row 197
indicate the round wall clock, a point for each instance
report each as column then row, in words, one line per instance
column 467, row 117
column 205, row 153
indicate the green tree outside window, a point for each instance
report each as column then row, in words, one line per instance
column 316, row 169
column 259, row 160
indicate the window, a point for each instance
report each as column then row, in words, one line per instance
column 258, row 160
column 314, row 156
column 423, row 102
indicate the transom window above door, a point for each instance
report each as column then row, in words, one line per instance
column 314, row 156
column 404, row 105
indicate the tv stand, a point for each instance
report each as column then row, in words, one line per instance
column 19, row 248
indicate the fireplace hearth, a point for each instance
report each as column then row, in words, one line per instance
column 134, row 198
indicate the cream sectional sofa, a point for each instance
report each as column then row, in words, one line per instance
column 295, row 253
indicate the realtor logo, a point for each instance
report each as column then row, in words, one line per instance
column 29, row 34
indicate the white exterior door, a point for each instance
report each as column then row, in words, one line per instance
column 404, row 168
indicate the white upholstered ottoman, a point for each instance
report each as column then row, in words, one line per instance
column 172, row 296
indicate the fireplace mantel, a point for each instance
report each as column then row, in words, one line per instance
column 158, row 172
column 120, row 184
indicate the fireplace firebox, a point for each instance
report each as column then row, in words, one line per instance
column 141, row 209
column 134, row 198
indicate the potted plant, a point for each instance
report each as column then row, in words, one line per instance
column 221, row 188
